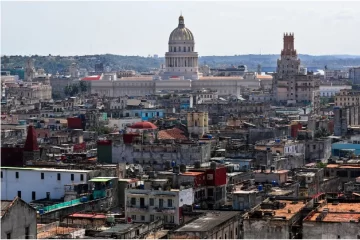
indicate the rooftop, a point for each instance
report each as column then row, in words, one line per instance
column 341, row 212
column 208, row 222
column 44, row 169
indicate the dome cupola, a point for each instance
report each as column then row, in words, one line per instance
column 181, row 33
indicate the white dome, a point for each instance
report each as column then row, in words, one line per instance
column 181, row 33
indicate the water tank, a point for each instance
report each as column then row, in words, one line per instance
column 173, row 164
column 274, row 183
column 197, row 164
column 182, row 168
column 110, row 218
column 84, row 199
column 41, row 211
column 277, row 140
column 213, row 165
column 260, row 188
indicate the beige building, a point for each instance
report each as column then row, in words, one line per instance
column 347, row 97
column 37, row 91
column 291, row 83
column 198, row 123
column 181, row 72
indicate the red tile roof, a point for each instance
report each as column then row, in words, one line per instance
column 90, row 78
column 143, row 125
column 173, row 134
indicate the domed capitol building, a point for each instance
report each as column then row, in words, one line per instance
column 181, row 72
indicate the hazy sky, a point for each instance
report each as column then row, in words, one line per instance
column 142, row 28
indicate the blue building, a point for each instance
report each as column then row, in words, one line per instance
column 348, row 147
column 145, row 114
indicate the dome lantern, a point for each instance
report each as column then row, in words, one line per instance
column 181, row 22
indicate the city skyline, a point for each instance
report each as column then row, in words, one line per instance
column 131, row 29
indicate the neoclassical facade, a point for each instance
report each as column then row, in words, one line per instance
column 181, row 72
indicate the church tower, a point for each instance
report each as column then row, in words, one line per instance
column 31, row 147
column 288, row 64
column 29, row 70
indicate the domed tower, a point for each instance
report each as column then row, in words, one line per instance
column 181, row 58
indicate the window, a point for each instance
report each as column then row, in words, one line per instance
column 8, row 235
column 169, row 202
column 133, row 217
column 42, row 175
column 172, row 219
column 151, row 202
column 165, row 218
column 27, row 232
column 72, row 177
column 142, row 202
column 1, row 174
column 81, row 177
column 58, row 176
column 133, row 201
column 161, row 203
column 33, row 196
column 142, row 218
column 236, row 232
column 151, row 218
column 19, row 194
column 17, row 174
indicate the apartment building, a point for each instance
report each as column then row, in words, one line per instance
column 144, row 206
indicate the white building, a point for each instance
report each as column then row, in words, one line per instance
column 181, row 72
column 38, row 183
column 332, row 90
column 145, row 206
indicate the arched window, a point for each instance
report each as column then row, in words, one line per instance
column 188, row 49
column 174, row 49
column 170, row 49
column 184, row 49
column 179, row 49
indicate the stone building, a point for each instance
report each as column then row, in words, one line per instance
column 290, row 84
column 181, row 72
column 197, row 123
column 18, row 220
column 333, row 220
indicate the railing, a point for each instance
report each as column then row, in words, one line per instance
column 62, row 205
column 136, row 209
column 99, row 194
column 168, row 210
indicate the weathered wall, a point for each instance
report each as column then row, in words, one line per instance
column 265, row 229
column 330, row 230
column 17, row 219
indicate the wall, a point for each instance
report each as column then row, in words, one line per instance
column 330, row 230
column 30, row 180
column 265, row 229
column 19, row 217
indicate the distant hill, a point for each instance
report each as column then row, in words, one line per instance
column 53, row 64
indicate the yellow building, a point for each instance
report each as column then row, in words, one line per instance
column 198, row 123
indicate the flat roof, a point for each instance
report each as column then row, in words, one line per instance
column 192, row 173
column 101, row 179
column 342, row 212
column 208, row 222
column 44, row 169
column 342, row 166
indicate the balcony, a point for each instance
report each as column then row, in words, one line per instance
column 166, row 210
column 137, row 209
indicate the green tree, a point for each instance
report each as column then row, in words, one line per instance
column 83, row 86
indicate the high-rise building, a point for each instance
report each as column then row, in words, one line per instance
column 354, row 75
column 291, row 85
